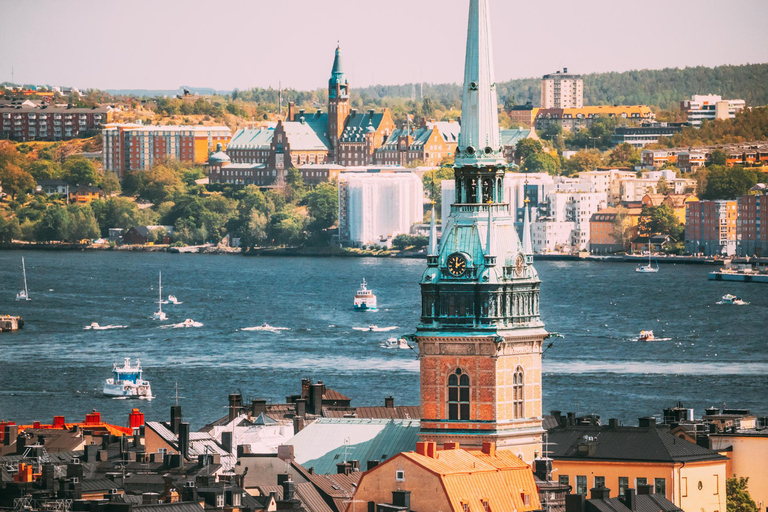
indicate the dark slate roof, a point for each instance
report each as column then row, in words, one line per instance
column 99, row 484
column 182, row 506
column 644, row 503
column 357, row 125
column 627, row 444
column 550, row 422
column 305, row 493
column 401, row 412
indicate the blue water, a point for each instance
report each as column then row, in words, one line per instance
column 715, row 355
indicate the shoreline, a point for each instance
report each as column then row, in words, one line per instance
column 328, row 252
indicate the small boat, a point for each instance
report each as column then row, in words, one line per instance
column 646, row 336
column 649, row 268
column 159, row 315
column 185, row 324
column 10, row 323
column 96, row 327
column 173, row 300
column 732, row 299
column 126, row 382
column 365, row 300
column 375, row 328
column 396, row 343
column 266, row 327
column 23, row 294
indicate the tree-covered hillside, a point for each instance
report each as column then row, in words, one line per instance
column 663, row 88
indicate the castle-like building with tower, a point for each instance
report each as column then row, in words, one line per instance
column 480, row 336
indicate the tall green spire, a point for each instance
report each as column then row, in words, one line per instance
column 338, row 77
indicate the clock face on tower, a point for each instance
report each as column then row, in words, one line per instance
column 457, row 265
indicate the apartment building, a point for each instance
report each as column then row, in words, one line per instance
column 135, row 147
column 711, row 227
column 752, row 224
column 25, row 123
column 573, row 118
column 647, row 133
column 562, row 90
column 710, row 107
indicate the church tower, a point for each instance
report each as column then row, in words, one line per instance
column 480, row 336
column 338, row 104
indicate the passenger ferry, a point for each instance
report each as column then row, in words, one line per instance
column 365, row 300
column 127, row 382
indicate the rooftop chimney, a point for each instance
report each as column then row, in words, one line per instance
column 136, row 418
column 613, row 423
column 226, row 441
column 645, row 490
column 184, row 439
column 301, row 407
column 402, row 499
column 489, row 448
column 258, row 406
column 389, row 402
column 175, row 418
column 288, row 490
column 543, row 469
column 648, row 422
column 600, row 493
column 372, row 464
column 630, row 499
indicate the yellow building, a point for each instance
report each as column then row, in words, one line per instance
column 677, row 202
column 619, row 458
column 748, row 453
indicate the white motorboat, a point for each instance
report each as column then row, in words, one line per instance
column 396, row 343
column 266, row 327
column 733, row 300
column 23, row 294
column 127, row 382
column 646, row 336
column 173, row 300
column 159, row 314
column 365, row 300
column 185, row 324
column 96, row 327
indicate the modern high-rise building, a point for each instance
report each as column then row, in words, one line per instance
column 480, row 335
column 710, row 107
column 752, row 224
column 562, row 90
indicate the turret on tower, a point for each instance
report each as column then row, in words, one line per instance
column 480, row 334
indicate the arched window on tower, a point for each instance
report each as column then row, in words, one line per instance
column 458, row 395
column 518, row 393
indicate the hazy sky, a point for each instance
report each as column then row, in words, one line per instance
column 162, row 44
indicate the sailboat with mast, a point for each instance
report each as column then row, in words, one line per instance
column 649, row 268
column 159, row 314
column 23, row 294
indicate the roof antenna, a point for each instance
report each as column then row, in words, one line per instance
column 176, row 396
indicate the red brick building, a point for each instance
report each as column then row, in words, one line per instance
column 710, row 227
column 752, row 225
column 26, row 123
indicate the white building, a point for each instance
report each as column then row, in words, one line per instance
column 710, row 107
column 561, row 90
column 564, row 227
column 377, row 204
column 608, row 181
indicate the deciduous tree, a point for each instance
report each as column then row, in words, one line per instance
column 15, row 181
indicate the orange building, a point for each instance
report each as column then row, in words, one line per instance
column 85, row 194
column 133, row 147
column 431, row 143
column 602, row 226
column 620, row 458
column 451, row 479
column 677, row 202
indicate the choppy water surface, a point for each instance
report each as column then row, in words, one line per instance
column 715, row 354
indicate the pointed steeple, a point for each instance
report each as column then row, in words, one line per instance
column 433, row 254
column 527, row 245
column 480, row 140
column 432, row 234
column 337, row 69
